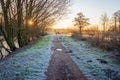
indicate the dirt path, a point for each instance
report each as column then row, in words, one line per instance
column 61, row 66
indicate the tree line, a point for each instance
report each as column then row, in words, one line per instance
column 114, row 25
column 26, row 20
column 106, row 35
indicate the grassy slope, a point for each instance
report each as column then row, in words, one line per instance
column 29, row 63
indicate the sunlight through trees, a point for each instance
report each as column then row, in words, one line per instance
column 17, row 17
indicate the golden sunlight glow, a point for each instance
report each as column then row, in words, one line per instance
column 63, row 24
column 30, row 22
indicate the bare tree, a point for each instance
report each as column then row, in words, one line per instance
column 104, row 21
column 42, row 11
column 7, row 31
column 19, row 14
column 117, row 20
column 81, row 21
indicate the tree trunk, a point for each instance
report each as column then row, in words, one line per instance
column 8, row 36
column 80, row 31
column 1, row 55
column 19, row 23
column 115, row 25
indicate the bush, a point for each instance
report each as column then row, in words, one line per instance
column 108, row 40
column 77, row 36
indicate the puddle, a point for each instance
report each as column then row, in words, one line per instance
column 59, row 49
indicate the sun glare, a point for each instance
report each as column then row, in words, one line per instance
column 30, row 22
column 63, row 24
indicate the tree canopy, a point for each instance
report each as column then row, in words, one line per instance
column 26, row 20
column 81, row 21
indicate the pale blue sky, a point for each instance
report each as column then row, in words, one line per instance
column 91, row 9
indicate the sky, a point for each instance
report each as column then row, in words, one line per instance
column 92, row 9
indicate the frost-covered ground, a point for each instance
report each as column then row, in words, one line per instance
column 29, row 63
column 95, row 64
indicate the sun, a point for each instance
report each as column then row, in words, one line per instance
column 30, row 22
